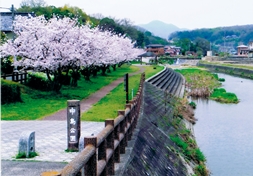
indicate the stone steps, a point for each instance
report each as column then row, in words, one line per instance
column 168, row 80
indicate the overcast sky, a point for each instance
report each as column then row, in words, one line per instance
column 188, row 14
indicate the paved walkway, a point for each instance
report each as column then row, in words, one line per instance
column 50, row 138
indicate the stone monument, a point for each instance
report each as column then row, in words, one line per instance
column 27, row 143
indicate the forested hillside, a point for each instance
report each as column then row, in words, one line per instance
column 234, row 34
column 119, row 26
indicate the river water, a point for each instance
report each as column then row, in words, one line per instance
column 224, row 132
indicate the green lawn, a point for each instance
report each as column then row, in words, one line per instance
column 108, row 106
column 38, row 104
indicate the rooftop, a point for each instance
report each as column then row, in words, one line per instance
column 6, row 20
column 155, row 46
column 147, row 54
column 242, row 46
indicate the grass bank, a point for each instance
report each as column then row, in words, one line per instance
column 109, row 105
column 222, row 96
column 248, row 67
column 202, row 83
column 38, row 104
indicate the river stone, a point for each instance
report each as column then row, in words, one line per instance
column 27, row 143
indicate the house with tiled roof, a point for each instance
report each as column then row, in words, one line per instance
column 6, row 21
column 156, row 49
column 250, row 49
column 242, row 50
column 172, row 50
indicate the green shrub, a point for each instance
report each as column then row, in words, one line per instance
column 10, row 92
column 221, row 95
column 199, row 155
column 39, row 81
column 221, row 79
column 179, row 142
column 215, row 75
column 6, row 65
column 201, row 170
column 193, row 105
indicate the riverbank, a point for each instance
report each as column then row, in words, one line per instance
column 224, row 131
column 244, row 71
column 164, row 143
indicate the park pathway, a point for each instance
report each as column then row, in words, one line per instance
column 50, row 138
column 87, row 103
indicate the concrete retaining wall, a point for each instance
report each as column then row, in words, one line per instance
column 229, row 70
column 153, row 152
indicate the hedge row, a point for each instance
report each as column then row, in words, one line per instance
column 39, row 81
column 10, row 92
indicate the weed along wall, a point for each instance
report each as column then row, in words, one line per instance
column 229, row 70
column 161, row 145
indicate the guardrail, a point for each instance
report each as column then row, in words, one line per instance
column 16, row 76
column 101, row 152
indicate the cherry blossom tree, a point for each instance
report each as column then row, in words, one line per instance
column 58, row 45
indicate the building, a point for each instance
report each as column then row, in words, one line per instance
column 6, row 21
column 250, row 49
column 172, row 50
column 242, row 50
column 156, row 49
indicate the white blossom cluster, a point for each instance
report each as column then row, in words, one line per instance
column 56, row 43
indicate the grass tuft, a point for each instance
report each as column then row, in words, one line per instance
column 222, row 96
column 23, row 155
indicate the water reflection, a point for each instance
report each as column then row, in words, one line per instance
column 224, row 132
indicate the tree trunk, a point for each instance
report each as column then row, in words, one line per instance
column 86, row 73
column 75, row 77
column 120, row 64
column 95, row 71
column 108, row 69
column 57, row 82
column 114, row 67
column 103, row 68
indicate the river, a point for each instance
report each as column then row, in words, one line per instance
column 224, row 132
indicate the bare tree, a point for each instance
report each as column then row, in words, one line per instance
column 125, row 22
column 97, row 16
column 33, row 3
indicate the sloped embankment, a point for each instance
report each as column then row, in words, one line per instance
column 153, row 152
column 241, row 72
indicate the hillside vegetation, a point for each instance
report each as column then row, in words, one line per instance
column 232, row 35
column 119, row 26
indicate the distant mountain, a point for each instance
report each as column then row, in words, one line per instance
column 160, row 28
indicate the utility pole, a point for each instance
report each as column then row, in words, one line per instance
column 13, row 37
column 126, row 87
column 224, row 40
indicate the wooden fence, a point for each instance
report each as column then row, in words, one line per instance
column 101, row 152
column 16, row 76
